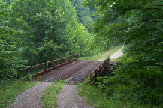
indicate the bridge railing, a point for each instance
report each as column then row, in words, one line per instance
column 99, row 69
column 42, row 68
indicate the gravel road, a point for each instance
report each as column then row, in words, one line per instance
column 115, row 55
column 31, row 97
column 69, row 98
column 74, row 72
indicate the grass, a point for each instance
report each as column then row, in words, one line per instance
column 104, row 54
column 95, row 97
column 49, row 98
column 9, row 91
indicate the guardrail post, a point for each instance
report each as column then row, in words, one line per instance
column 49, row 64
column 67, row 59
column 64, row 60
column 76, row 56
column 54, row 62
column 45, row 66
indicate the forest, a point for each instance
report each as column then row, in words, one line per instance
column 138, row 24
column 36, row 31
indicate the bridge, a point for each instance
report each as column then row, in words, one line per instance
column 70, row 69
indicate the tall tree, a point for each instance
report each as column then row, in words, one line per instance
column 44, row 29
column 139, row 25
column 10, row 59
column 85, row 14
column 140, row 22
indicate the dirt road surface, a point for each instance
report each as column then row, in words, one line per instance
column 31, row 97
column 74, row 72
column 69, row 98
column 117, row 54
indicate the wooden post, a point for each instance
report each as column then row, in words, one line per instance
column 51, row 65
column 64, row 60
column 76, row 57
column 70, row 57
column 45, row 66
column 67, row 59
column 54, row 62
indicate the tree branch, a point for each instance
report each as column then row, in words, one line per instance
column 138, row 23
column 154, row 8
column 158, row 5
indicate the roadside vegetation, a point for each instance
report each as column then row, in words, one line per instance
column 139, row 73
column 103, row 54
column 10, row 90
column 96, row 96
column 49, row 98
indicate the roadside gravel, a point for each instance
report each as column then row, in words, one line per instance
column 69, row 98
column 31, row 97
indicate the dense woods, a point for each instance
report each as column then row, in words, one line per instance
column 139, row 26
column 84, row 14
column 36, row 31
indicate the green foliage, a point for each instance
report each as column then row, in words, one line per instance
column 41, row 25
column 95, row 97
column 137, row 24
column 31, row 35
column 10, row 60
column 134, row 85
column 149, row 80
column 102, row 55
column 9, row 91
column 84, row 13
column 56, row 25
column 49, row 98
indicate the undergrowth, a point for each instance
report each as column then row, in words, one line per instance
column 95, row 97
column 133, row 86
